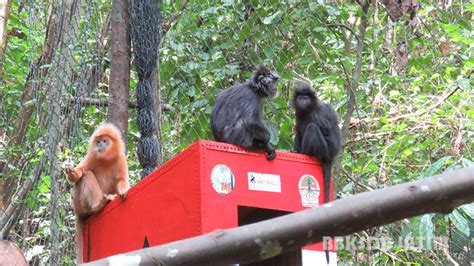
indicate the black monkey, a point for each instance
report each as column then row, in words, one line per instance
column 317, row 131
column 237, row 115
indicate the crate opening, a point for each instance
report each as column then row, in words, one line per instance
column 249, row 215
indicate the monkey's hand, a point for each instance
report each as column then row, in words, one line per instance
column 271, row 154
column 73, row 175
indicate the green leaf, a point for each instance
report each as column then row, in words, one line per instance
column 407, row 152
column 435, row 167
column 45, row 185
column 426, row 230
column 14, row 20
column 273, row 132
column 349, row 187
column 228, row 2
column 466, row 162
column 199, row 103
column 460, row 222
column 394, row 93
column 31, row 102
column 313, row 6
column 192, row 91
column 246, row 29
column 468, row 209
column 319, row 29
column 271, row 18
column 464, row 84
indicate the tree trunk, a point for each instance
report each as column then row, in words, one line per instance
column 119, row 67
column 35, row 79
column 5, row 6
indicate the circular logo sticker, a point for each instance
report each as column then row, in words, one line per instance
column 222, row 179
column 309, row 191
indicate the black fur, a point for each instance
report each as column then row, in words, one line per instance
column 237, row 115
column 317, row 131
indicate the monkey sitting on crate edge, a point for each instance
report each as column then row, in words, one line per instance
column 317, row 132
column 237, row 115
column 98, row 178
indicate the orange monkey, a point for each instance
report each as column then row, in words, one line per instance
column 99, row 177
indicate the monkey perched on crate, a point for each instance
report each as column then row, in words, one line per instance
column 317, row 131
column 99, row 177
column 237, row 115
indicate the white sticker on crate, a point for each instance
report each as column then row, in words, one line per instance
column 264, row 182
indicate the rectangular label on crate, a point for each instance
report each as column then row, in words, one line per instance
column 264, row 182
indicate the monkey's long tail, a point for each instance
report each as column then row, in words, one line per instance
column 327, row 180
column 327, row 188
column 79, row 240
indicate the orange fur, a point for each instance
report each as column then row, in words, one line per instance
column 99, row 177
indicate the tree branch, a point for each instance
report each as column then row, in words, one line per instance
column 105, row 103
column 351, row 86
column 167, row 25
column 368, row 188
column 355, row 74
column 337, row 25
column 356, row 122
column 368, row 136
column 258, row 241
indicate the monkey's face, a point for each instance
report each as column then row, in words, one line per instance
column 304, row 99
column 101, row 144
column 268, row 80
column 303, row 103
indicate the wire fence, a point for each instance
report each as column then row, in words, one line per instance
column 207, row 46
column 68, row 67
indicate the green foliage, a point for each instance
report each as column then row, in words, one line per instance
column 416, row 118
column 412, row 120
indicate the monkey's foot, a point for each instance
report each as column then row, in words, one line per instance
column 110, row 197
column 271, row 154
column 122, row 196
column 122, row 191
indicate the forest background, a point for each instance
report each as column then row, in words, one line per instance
column 397, row 72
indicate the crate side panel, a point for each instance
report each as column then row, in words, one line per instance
column 220, row 209
column 163, row 207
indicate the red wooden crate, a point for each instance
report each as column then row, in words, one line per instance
column 208, row 186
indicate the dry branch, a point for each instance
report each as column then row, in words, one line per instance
column 441, row 101
column 352, row 85
column 441, row 193
column 168, row 24
column 104, row 103
column 368, row 136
